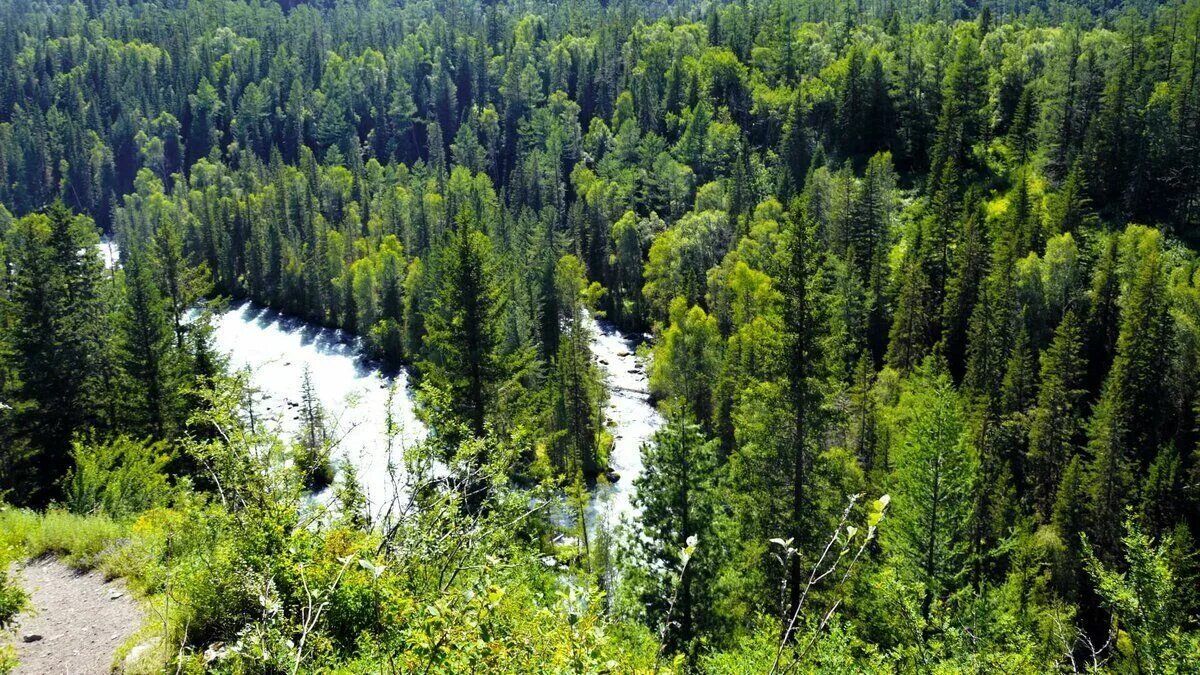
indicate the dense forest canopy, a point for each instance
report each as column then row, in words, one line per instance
column 919, row 279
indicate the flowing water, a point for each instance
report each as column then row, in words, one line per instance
column 276, row 349
column 110, row 251
column 632, row 421
column 358, row 397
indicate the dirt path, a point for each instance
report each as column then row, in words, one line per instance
column 81, row 618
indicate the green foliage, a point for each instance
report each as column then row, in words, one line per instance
column 55, row 329
column 1056, row 427
column 462, row 332
column 119, row 478
column 314, row 444
column 12, row 598
column 1145, row 607
column 933, row 483
column 80, row 540
column 676, row 494
column 685, row 361
column 579, row 391
column 464, row 187
column 13, row 601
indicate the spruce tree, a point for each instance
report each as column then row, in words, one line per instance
column 932, row 486
column 1056, row 428
column 147, row 349
column 461, row 332
column 677, row 498
column 58, row 337
column 802, row 332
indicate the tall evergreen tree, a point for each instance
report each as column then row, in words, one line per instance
column 57, row 338
column 677, row 498
column 147, row 349
column 461, row 329
column 1055, row 434
column 1126, row 428
column 933, row 483
column 802, row 326
column 579, row 387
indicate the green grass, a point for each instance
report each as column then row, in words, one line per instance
column 78, row 540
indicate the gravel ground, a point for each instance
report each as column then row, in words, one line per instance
column 81, row 620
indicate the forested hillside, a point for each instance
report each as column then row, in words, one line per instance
column 919, row 283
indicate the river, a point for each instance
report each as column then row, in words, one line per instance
column 358, row 397
column 275, row 349
column 632, row 421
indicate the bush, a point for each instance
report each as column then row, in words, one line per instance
column 120, row 477
column 12, row 599
column 316, row 469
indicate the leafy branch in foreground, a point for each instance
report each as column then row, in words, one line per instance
column 844, row 555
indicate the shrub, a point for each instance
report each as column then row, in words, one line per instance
column 315, row 467
column 120, row 477
column 12, row 599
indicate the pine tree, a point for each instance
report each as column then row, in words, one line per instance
column 796, row 151
column 970, row 270
column 933, row 485
column 861, row 419
column 579, row 387
column 1056, row 429
column 147, row 349
column 1070, row 209
column 630, row 239
column 1126, row 428
column 677, row 499
column 1142, row 361
column 961, row 123
column 803, row 326
column 992, row 329
column 913, row 326
column 870, row 241
column 314, row 442
column 1021, row 138
column 1103, row 320
column 58, row 339
column 1068, row 520
column 850, row 118
column 461, row 332
column 182, row 283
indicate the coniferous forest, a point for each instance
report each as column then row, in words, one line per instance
column 914, row 286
